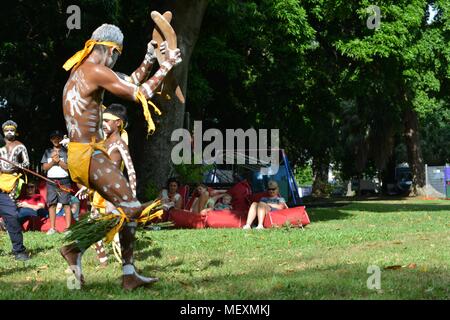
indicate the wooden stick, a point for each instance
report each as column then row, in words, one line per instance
column 56, row 183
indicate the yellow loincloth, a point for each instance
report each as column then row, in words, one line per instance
column 79, row 159
column 99, row 203
column 8, row 181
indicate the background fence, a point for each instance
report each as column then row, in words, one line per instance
column 437, row 181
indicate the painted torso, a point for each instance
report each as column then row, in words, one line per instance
column 16, row 152
column 81, row 105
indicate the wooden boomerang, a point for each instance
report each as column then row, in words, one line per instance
column 163, row 31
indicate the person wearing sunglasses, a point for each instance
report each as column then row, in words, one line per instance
column 259, row 209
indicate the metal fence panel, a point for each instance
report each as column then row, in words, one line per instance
column 435, row 181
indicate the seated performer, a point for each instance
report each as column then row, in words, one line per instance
column 88, row 160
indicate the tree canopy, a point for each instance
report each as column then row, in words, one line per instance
column 341, row 93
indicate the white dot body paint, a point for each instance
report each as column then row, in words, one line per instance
column 117, row 186
column 108, row 170
column 134, row 204
column 125, row 197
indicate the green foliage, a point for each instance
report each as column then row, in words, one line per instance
column 191, row 173
column 151, row 190
column 304, row 175
column 311, row 68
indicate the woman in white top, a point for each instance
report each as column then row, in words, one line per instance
column 170, row 197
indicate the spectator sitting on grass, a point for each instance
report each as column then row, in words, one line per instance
column 205, row 201
column 31, row 204
column 170, row 198
column 265, row 205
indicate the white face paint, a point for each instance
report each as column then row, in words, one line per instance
column 106, row 128
column 112, row 58
column 10, row 134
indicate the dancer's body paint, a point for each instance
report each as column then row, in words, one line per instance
column 82, row 100
column 14, row 151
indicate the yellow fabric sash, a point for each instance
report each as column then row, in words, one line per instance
column 8, row 181
column 99, row 202
column 143, row 219
column 151, row 125
column 78, row 57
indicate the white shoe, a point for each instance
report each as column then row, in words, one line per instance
column 246, row 227
column 51, row 231
column 259, row 227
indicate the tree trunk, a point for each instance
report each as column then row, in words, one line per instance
column 387, row 176
column 415, row 159
column 320, row 173
column 153, row 159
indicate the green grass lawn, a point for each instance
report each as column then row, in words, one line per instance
column 327, row 260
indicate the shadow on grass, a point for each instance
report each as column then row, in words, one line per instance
column 331, row 282
column 325, row 215
column 340, row 281
column 149, row 252
column 395, row 207
column 4, row 272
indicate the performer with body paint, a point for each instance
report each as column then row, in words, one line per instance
column 16, row 152
column 89, row 163
column 116, row 143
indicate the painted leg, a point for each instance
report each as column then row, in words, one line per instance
column 101, row 253
column 131, row 279
column 72, row 254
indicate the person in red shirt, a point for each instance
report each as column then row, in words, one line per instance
column 31, row 203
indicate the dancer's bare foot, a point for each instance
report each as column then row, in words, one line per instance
column 132, row 280
column 73, row 257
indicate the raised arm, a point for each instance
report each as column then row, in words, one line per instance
column 173, row 57
column 110, row 81
column 142, row 72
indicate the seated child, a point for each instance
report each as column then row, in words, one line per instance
column 205, row 201
column 225, row 204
